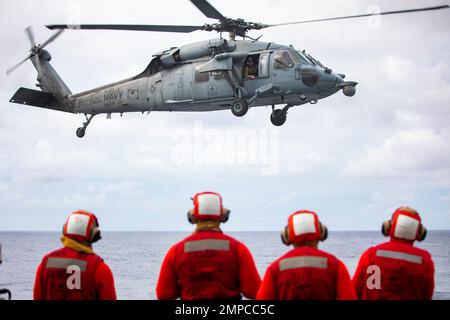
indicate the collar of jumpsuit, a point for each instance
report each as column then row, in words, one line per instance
column 208, row 226
column 75, row 245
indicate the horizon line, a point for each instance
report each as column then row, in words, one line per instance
column 338, row 230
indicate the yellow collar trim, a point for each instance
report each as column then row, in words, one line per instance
column 75, row 245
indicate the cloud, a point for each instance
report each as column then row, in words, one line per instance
column 445, row 198
column 285, row 198
column 382, row 204
column 408, row 154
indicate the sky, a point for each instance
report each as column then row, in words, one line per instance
column 352, row 160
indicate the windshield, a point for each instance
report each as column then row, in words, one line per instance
column 283, row 60
column 316, row 61
column 310, row 59
column 298, row 58
column 306, row 57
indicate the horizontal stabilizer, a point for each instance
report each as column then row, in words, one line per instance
column 31, row 97
column 35, row 98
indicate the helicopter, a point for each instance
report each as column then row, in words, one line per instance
column 215, row 74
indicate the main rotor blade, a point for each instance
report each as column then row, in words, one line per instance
column 30, row 35
column 52, row 38
column 133, row 27
column 207, row 9
column 362, row 15
column 17, row 65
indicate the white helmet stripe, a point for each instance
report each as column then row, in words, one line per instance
column 406, row 227
column 77, row 224
column 304, row 223
column 209, row 204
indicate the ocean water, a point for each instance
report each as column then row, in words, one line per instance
column 135, row 257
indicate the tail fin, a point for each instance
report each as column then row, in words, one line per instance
column 48, row 79
column 54, row 91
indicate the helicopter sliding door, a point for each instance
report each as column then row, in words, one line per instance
column 178, row 83
column 210, row 82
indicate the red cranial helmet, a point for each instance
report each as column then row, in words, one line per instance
column 208, row 207
column 82, row 226
column 405, row 224
column 303, row 226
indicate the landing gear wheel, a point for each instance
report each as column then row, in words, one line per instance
column 81, row 132
column 278, row 117
column 239, row 107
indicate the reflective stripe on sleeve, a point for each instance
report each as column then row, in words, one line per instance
column 209, row 244
column 399, row 255
column 64, row 263
column 303, row 262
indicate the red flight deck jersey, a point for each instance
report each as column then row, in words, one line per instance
column 208, row 265
column 306, row 273
column 97, row 282
column 407, row 272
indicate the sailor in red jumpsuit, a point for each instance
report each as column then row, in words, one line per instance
column 75, row 272
column 305, row 272
column 208, row 264
column 396, row 270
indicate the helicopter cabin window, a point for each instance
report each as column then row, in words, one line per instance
column 264, row 65
column 200, row 76
column 251, row 66
column 283, row 60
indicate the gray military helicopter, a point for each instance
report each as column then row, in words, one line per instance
column 209, row 75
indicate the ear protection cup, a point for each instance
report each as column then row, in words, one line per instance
column 191, row 217
column 95, row 234
column 386, row 227
column 323, row 232
column 285, row 236
column 225, row 215
column 422, row 233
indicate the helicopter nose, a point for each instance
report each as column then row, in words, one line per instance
column 328, row 80
column 340, row 78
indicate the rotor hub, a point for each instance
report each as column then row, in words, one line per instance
column 239, row 27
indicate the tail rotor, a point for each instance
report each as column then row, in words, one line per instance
column 35, row 48
column 30, row 34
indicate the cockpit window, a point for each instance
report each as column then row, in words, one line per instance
column 308, row 58
column 317, row 62
column 283, row 60
column 298, row 58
